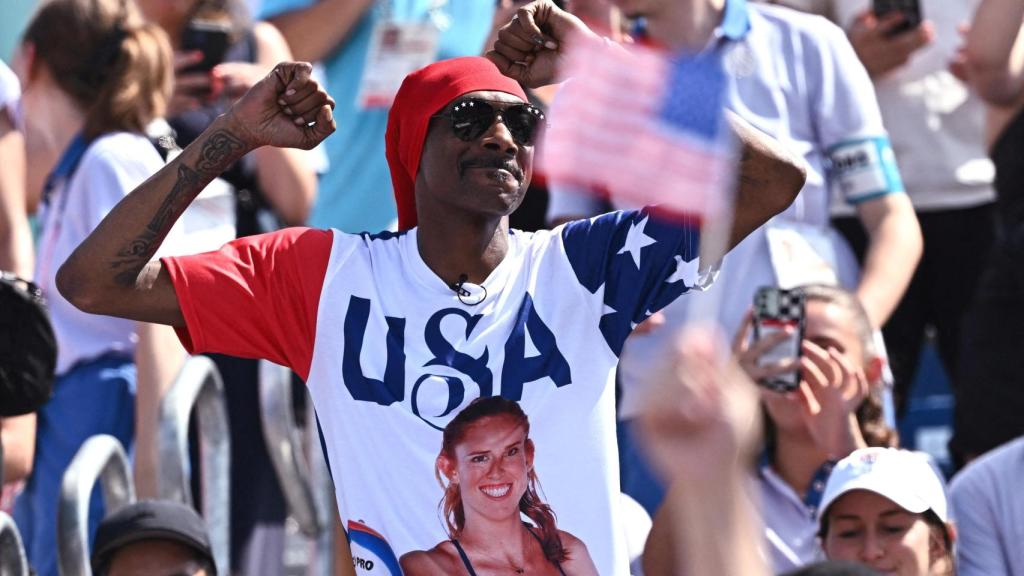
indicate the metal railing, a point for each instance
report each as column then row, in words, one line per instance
column 299, row 464
column 12, row 553
column 199, row 386
column 101, row 458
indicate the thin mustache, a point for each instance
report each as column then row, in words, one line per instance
column 501, row 163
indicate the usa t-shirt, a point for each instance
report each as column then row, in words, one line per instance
column 391, row 354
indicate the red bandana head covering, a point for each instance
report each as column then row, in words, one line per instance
column 423, row 94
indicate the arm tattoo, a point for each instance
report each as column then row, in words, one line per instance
column 217, row 153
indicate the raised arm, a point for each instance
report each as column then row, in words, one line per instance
column 110, row 272
column 769, row 179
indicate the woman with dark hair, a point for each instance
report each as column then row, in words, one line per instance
column 835, row 409
column 486, row 469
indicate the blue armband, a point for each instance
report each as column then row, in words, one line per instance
column 864, row 168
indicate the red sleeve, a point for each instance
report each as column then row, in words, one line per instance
column 256, row 297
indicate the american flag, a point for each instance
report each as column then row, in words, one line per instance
column 643, row 126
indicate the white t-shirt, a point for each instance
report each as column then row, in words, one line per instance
column 936, row 122
column 112, row 166
column 390, row 355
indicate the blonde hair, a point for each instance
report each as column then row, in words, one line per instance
column 101, row 53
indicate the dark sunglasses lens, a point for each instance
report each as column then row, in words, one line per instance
column 471, row 119
column 522, row 122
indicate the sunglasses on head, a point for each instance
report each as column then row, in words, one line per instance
column 472, row 117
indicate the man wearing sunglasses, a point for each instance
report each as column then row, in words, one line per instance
column 395, row 333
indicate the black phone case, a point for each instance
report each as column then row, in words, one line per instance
column 911, row 10
column 792, row 304
column 211, row 38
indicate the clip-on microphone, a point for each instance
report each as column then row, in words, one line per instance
column 469, row 294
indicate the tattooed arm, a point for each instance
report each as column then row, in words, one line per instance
column 111, row 273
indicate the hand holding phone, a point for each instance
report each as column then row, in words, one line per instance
column 211, row 38
column 885, row 41
column 910, row 10
column 778, row 326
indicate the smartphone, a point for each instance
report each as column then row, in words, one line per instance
column 911, row 10
column 775, row 310
column 212, row 38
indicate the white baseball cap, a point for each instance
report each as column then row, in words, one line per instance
column 904, row 477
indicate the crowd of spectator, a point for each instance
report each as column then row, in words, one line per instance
column 550, row 396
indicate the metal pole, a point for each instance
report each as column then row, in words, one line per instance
column 101, row 458
column 323, row 495
column 284, row 443
column 304, row 479
column 12, row 553
column 199, row 386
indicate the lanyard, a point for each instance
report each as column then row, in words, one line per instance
column 66, row 167
column 60, row 176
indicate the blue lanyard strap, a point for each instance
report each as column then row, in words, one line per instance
column 66, row 166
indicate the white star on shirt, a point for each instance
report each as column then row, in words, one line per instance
column 608, row 310
column 685, row 271
column 636, row 240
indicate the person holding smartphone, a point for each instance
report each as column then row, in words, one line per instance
column 834, row 409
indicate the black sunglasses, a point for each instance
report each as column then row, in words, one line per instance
column 472, row 117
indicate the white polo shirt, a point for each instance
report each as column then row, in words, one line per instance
column 790, row 528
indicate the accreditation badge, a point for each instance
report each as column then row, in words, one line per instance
column 396, row 50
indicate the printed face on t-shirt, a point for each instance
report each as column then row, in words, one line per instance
column 492, row 462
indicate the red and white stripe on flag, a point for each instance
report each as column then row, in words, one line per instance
column 606, row 132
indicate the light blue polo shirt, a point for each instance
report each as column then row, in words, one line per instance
column 355, row 193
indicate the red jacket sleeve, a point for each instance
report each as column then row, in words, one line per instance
column 256, row 297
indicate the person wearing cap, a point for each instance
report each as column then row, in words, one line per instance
column 395, row 333
column 153, row 538
column 886, row 508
